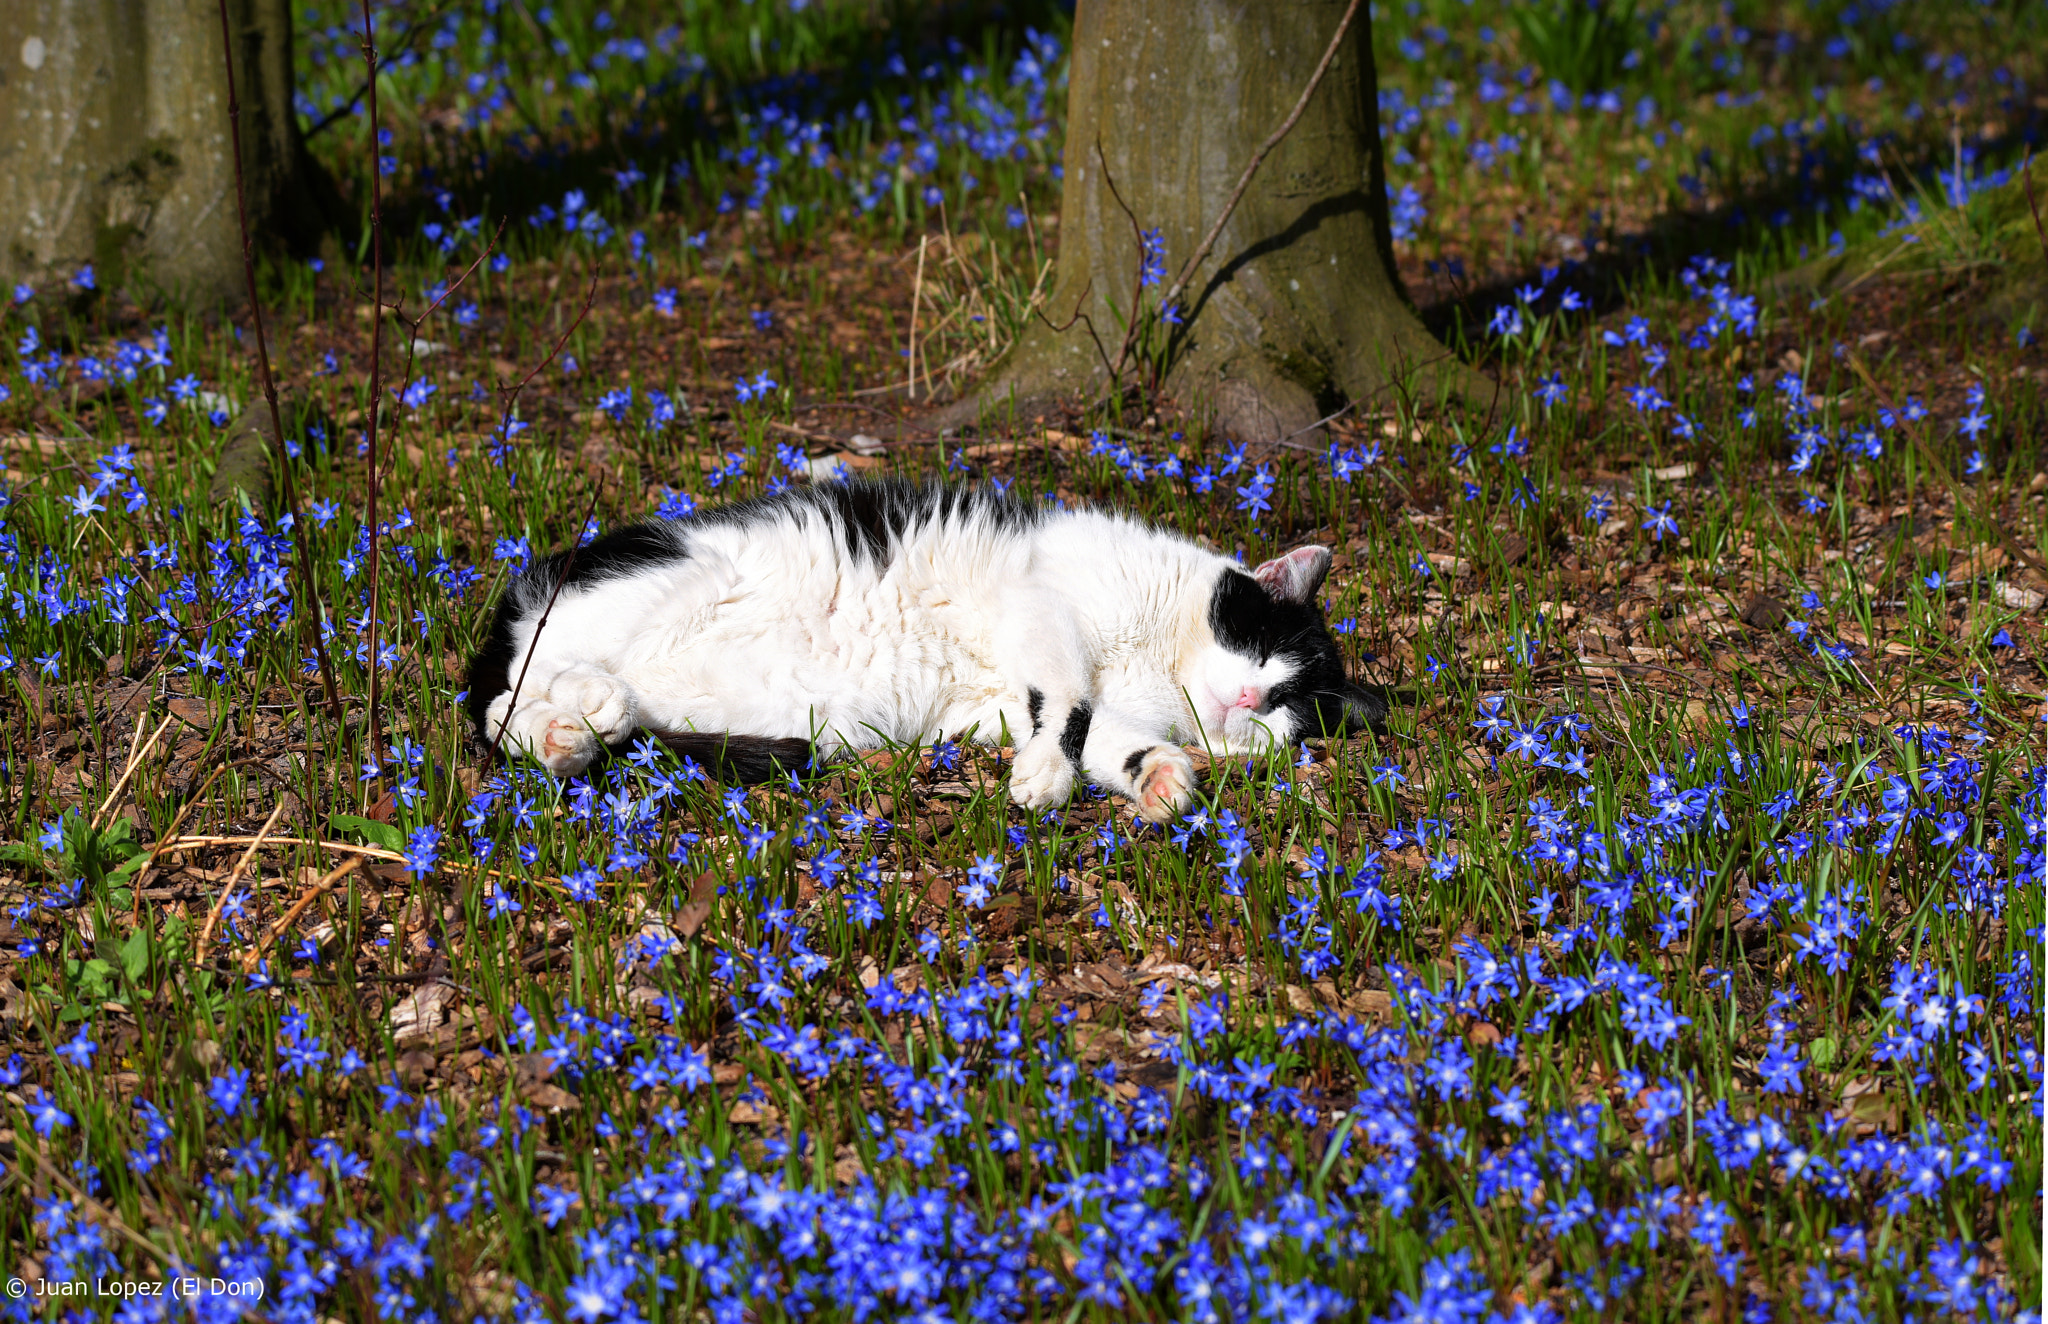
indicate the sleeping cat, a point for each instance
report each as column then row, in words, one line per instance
column 845, row 615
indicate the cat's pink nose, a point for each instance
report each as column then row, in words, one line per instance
column 1247, row 698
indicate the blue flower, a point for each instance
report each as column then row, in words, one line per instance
column 423, row 849
column 79, row 1049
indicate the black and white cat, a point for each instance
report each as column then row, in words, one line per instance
column 845, row 615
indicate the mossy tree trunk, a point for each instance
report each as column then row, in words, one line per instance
column 115, row 145
column 1297, row 309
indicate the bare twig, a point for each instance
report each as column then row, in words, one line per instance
column 135, row 757
column 413, row 324
column 1123, row 353
column 1187, row 271
column 169, row 839
column 227, row 888
column 405, row 41
column 254, row 955
column 916, row 298
column 307, row 589
column 533, row 644
column 512, row 392
column 376, row 725
column 201, row 841
column 1061, row 328
column 2027, row 177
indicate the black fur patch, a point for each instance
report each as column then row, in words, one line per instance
column 740, row 760
column 1135, row 762
column 616, row 555
column 1036, row 700
column 1075, row 734
column 872, row 515
column 490, row 671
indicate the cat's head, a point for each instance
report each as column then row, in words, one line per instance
column 1271, row 674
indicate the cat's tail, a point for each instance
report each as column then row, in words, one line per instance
column 740, row 760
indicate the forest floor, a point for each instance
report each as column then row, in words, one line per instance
column 1674, row 952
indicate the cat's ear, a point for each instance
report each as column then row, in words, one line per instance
column 1296, row 576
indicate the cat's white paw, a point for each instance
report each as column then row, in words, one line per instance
column 561, row 741
column 605, row 701
column 1041, row 776
column 567, row 745
column 570, row 725
column 496, row 728
column 1165, row 779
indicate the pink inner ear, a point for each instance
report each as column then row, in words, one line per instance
column 1295, row 576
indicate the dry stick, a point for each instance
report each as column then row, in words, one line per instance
column 298, row 908
column 404, row 44
column 504, row 424
column 916, row 297
column 227, row 888
column 413, row 324
column 2027, row 178
column 200, row 841
column 1061, row 328
column 376, row 365
column 366, row 852
column 167, row 841
column 135, row 758
column 533, row 644
column 1251, row 168
column 284, row 465
column 1123, row 353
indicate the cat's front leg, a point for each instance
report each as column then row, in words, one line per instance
column 1130, row 757
column 569, row 723
column 1044, row 656
column 1042, row 774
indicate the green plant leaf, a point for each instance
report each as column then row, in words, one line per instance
column 377, row 834
column 135, row 955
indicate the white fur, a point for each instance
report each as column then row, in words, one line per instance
column 773, row 628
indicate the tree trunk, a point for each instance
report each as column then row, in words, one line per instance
column 1297, row 309
column 115, row 145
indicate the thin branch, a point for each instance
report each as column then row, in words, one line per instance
column 916, row 297
column 504, row 426
column 2027, row 176
column 227, row 888
column 404, row 43
column 376, row 725
column 414, row 324
column 533, row 644
column 284, row 467
column 113, row 1220
column 512, row 399
column 254, row 956
column 135, row 757
column 1061, row 328
column 1123, row 353
column 1195, row 260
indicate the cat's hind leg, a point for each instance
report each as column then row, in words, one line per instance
column 568, row 723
